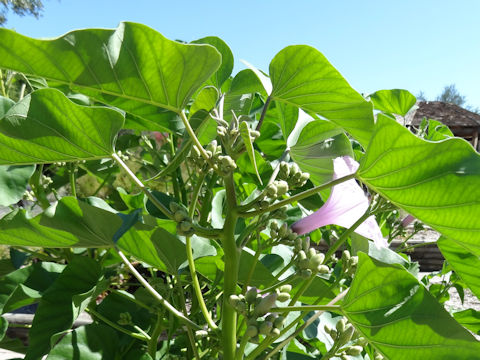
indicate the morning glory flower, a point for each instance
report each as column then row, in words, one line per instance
column 346, row 204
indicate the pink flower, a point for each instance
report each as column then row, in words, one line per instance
column 347, row 203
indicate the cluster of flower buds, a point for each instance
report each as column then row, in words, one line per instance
column 282, row 235
column 255, row 307
column 122, row 156
column 342, row 336
column 276, row 189
column 309, row 260
column 184, row 222
column 349, row 262
column 213, row 151
column 125, row 318
column 232, row 135
column 291, row 173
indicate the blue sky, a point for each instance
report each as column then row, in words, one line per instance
column 414, row 45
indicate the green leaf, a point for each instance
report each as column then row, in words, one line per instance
column 225, row 69
column 5, row 105
column 247, row 140
column 205, row 100
column 13, row 183
column 396, row 101
column 400, row 318
column 25, row 286
column 132, row 67
column 69, row 223
column 465, row 261
column 169, row 249
column 287, row 115
column 47, row 127
column 437, row 131
column 91, row 342
column 436, row 182
column 303, row 77
column 318, row 144
column 62, row 303
column 470, row 319
column 261, row 276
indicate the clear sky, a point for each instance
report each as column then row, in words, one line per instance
column 376, row 44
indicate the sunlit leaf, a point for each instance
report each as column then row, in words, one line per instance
column 132, row 67
column 303, row 77
column 400, row 318
column 396, row 101
column 47, row 127
column 436, row 182
column 247, row 140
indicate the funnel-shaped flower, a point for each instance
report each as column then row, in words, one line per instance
column 347, row 203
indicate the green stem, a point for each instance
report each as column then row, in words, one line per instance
column 157, row 330
column 191, row 338
column 116, row 326
column 207, row 200
column 297, row 197
column 154, row 293
column 71, row 175
column 241, row 350
column 304, row 287
column 264, row 112
column 2, row 84
column 191, row 262
column 280, row 283
column 345, row 235
column 37, row 187
column 252, row 268
column 130, row 298
column 231, row 259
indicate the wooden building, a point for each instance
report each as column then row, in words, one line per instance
column 462, row 123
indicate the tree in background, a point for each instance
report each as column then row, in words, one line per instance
column 451, row 95
column 20, row 7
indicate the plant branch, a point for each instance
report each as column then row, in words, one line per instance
column 264, row 112
column 154, row 293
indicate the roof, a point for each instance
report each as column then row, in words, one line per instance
column 448, row 114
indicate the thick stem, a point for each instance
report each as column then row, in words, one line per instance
column 71, row 173
column 231, row 258
column 297, row 197
column 284, row 309
column 154, row 293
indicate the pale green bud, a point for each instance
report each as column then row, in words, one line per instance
column 283, row 296
column 354, row 350
column 251, row 331
column 265, row 328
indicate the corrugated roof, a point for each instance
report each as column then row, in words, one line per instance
column 448, row 114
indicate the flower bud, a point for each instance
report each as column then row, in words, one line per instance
column 311, row 253
column 323, row 269
column 341, row 325
column 284, row 170
column 346, row 336
column 298, row 244
column 185, row 228
column 304, row 264
column 180, row 215
column 271, row 190
column 265, row 304
column 285, row 288
column 282, row 187
column 251, row 295
column 306, row 244
column 278, row 323
column 251, row 331
column 283, row 296
column 265, row 328
column 282, row 232
column 233, row 300
column 354, row 350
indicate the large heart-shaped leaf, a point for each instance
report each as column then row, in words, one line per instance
column 318, row 144
column 400, row 318
column 47, row 127
column 396, row 101
column 436, row 182
column 62, row 303
column 303, row 77
column 132, row 67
